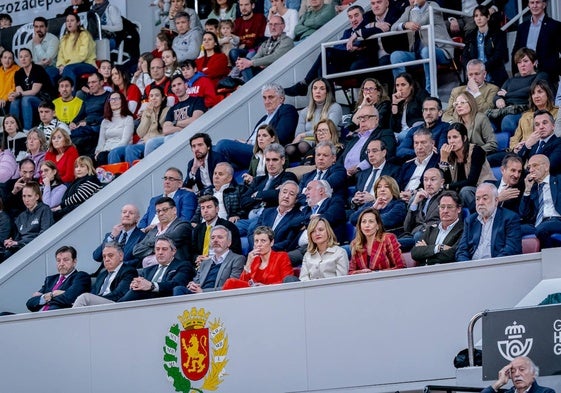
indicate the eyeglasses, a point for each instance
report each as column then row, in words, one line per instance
column 162, row 210
column 369, row 89
column 168, row 178
column 365, row 117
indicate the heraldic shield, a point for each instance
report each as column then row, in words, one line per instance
column 194, row 353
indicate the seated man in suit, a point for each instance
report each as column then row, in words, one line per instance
column 61, row 290
column 376, row 151
column 432, row 121
column 201, row 234
column 440, row 240
column 423, row 210
column 185, row 201
column 126, row 234
column 542, row 141
column 491, row 232
column 282, row 117
column 201, row 167
column 171, row 226
column 511, row 183
column 215, row 270
column 354, row 157
column 411, row 174
column 320, row 202
column 523, row 372
column 159, row 280
column 263, row 191
column 113, row 282
column 327, row 169
column 285, row 219
column 541, row 203
column 225, row 189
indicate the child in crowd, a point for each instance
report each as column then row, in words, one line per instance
column 48, row 119
column 226, row 39
column 212, row 25
column 163, row 42
column 198, row 85
column 170, row 61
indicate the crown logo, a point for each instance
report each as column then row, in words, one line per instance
column 194, row 319
column 515, row 330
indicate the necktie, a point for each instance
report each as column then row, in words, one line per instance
column 123, row 239
column 106, row 283
column 540, row 147
column 370, row 184
column 426, row 207
column 268, row 184
column 159, row 274
column 539, row 217
column 319, row 175
column 315, row 209
column 57, row 286
column 206, row 242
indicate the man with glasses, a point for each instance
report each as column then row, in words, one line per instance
column 354, row 157
column 185, row 201
column 169, row 225
column 269, row 51
column 84, row 129
column 440, row 240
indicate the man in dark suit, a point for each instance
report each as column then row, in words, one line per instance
column 320, row 202
column 354, row 157
column 411, row 174
column 201, row 234
column 159, row 280
column 423, row 210
column 441, row 239
column 376, row 151
column 214, row 271
column 542, row 141
column 282, row 117
column 547, row 45
column 285, row 219
column 126, row 234
column 264, row 190
column 185, row 201
column 511, row 184
column 61, row 290
column 201, row 167
column 327, row 169
column 113, row 282
column 541, row 203
column 523, row 373
column 491, row 232
column 172, row 227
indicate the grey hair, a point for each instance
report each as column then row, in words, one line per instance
column 166, row 239
column 327, row 187
column 228, row 232
column 328, row 144
column 474, row 62
column 230, row 168
column 289, row 182
column 275, row 148
column 491, row 187
column 275, row 87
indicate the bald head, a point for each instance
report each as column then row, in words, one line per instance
column 538, row 167
column 129, row 216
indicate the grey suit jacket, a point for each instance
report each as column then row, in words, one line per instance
column 179, row 231
column 232, row 266
column 417, row 220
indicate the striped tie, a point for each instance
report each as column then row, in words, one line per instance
column 539, row 217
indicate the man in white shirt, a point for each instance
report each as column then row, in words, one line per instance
column 44, row 48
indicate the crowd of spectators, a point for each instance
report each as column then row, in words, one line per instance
column 402, row 175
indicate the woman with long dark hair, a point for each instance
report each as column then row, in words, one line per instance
column 223, row 9
column 121, row 83
column 407, row 105
column 213, row 63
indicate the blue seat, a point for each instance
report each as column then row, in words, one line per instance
column 349, row 232
column 503, row 139
column 245, row 245
column 238, row 176
column 497, row 172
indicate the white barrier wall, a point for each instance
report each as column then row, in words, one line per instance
column 369, row 333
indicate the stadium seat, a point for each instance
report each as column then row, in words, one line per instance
column 531, row 244
column 408, row 259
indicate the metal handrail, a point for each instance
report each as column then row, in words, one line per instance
column 471, row 346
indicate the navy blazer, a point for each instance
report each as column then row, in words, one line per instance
column 409, row 167
column 120, row 284
column 506, row 237
column 336, row 176
column 284, row 123
column 529, row 204
column 128, row 258
column 269, row 197
column 287, row 228
column 393, row 215
column 231, row 267
column 333, row 210
column 178, row 273
column 548, row 47
column 185, row 202
column 387, row 170
column 213, row 159
column 199, row 237
column 535, row 388
column 405, row 149
column 552, row 149
column 74, row 285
